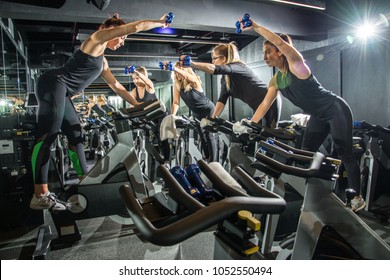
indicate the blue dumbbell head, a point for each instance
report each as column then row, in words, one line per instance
column 170, row 66
column 245, row 21
column 161, row 65
column 238, row 27
column 187, row 60
column 131, row 69
column 169, row 17
column 248, row 23
column 357, row 124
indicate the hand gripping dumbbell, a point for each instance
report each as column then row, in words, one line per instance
column 246, row 22
column 187, row 61
column 129, row 69
column 169, row 18
column 169, row 66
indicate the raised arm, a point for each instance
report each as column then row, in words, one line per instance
column 148, row 83
column 192, row 78
column 294, row 58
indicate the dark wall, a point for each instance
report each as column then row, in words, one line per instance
column 359, row 74
column 366, row 73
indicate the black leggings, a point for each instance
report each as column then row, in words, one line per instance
column 55, row 113
column 208, row 140
column 338, row 123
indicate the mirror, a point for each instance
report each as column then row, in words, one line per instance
column 13, row 73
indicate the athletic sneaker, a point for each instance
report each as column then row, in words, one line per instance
column 357, row 203
column 48, row 201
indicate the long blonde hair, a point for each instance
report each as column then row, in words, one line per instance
column 183, row 83
column 230, row 52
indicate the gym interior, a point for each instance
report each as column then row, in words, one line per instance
column 130, row 207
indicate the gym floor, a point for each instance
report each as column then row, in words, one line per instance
column 113, row 238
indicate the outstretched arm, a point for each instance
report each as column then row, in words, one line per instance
column 176, row 101
column 95, row 44
column 267, row 102
column 117, row 87
column 218, row 109
column 108, row 34
column 202, row 66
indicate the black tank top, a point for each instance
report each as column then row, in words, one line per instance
column 197, row 102
column 309, row 95
column 79, row 71
column 147, row 96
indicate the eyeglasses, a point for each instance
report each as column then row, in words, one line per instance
column 216, row 57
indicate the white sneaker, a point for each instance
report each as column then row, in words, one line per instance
column 48, row 201
column 357, row 203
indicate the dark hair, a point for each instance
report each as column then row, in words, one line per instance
column 288, row 40
column 112, row 22
column 284, row 37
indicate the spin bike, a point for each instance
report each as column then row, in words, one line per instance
column 327, row 229
column 187, row 150
column 169, row 219
column 375, row 160
column 97, row 194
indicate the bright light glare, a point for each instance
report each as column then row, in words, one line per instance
column 365, row 31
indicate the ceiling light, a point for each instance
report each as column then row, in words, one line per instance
column 312, row 4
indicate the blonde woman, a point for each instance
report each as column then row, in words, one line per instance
column 238, row 81
column 144, row 88
column 188, row 86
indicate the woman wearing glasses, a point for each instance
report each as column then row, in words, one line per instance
column 238, row 81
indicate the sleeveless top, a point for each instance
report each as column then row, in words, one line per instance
column 308, row 94
column 78, row 72
column 197, row 102
column 147, row 96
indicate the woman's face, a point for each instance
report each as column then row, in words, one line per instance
column 218, row 59
column 272, row 55
column 137, row 80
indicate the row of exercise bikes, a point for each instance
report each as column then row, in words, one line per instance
column 262, row 191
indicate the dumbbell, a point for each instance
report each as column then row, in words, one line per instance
column 187, row 61
column 169, row 66
column 169, row 18
column 246, row 21
column 129, row 69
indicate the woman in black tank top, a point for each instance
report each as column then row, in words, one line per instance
column 144, row 88
column 188, row 86
column 144, row 91
column 56, row 111
column 329, row 114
